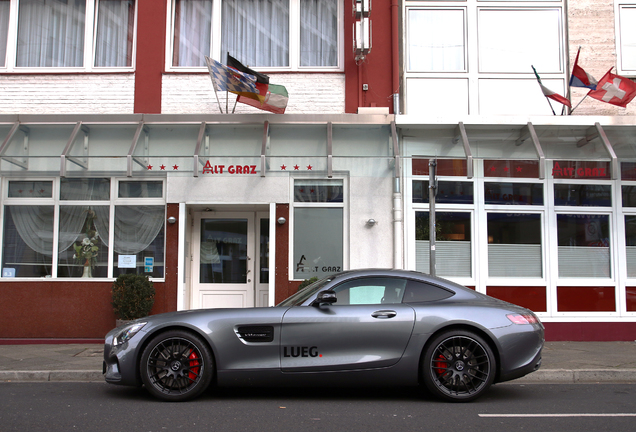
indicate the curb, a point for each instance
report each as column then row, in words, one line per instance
column 67, row 375
column 570, row 376
column 556, row 376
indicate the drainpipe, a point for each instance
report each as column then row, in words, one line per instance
column 395, row 48
column 398, row 222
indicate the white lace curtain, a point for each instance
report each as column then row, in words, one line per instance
column 256, row 32
column 136, row 227
column 51, row 33
column 4, row 29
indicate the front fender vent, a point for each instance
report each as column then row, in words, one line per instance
column 256, row 333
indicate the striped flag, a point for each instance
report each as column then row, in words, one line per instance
column 228, row 79
column 579, row 77
column 550, row 94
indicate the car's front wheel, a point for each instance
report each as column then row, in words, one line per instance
column 458, row 365
column 176, row 366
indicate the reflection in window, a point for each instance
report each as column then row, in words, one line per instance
column 370, row 291
column 453, row 243
column 223, row 251
column 448, row 192
column 115, row 33
column 436, row 40
column 192, row 30
column 140, row 189
column 318, row 191
column 264, row 251
column 514, row 193
column 319, row 33
column 518, row 236
column 30, row 189
column 27, row 248
column 584, row 245
column 93, row 189
column 582, row 195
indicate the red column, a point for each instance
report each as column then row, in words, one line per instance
column 150, row 60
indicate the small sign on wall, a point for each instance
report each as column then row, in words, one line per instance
column 8, row 272
column 149, row 263
column 127, row 261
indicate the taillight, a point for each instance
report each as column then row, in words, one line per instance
column 523, row 318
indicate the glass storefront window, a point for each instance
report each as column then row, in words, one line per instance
column 27, row 248
column 318, row 237
column 630, row 244
column 92, row 189
column 448, row 192
column 514, row 193
column 140, row 189
column 264, row 251
column 584, row 245
column 139, row 240
column 82, row 250
column 30, row 189
column 582, row 195
column 453, row 243
column 514, row 235
column 318, row 191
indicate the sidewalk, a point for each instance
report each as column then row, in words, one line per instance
column 563, row 362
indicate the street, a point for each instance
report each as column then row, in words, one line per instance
column 506, row 407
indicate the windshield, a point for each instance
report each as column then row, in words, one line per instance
column 302, row 295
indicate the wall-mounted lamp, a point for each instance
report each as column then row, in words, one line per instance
column 371, row 222
column 281, row 220
column 172, row 219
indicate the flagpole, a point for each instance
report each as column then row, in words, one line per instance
column 235, row 102
column 577, row 105
column 227, row 97
column 576, row 61
column 217, row 100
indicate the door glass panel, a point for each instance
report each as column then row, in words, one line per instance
column 264, row 251
column 223, row 251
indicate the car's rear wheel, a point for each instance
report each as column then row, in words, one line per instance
column 176, row 366
column 458, row 365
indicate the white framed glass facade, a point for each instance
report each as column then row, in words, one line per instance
column 40, row 35
column 470, row 56
column 626, row 37
column 83, row 228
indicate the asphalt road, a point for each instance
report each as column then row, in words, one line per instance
column 506, row 407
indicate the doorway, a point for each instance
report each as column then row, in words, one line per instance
column 230, row 260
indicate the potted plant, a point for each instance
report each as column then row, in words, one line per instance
column 86, row 250
column 133, row 297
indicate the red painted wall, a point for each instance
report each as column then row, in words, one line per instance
column 590, row 331
column 376, row 69
column 150, row 61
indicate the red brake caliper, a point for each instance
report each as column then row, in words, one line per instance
column 439, row 364
column 194, row 366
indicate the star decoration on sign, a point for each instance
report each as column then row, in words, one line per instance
column 163, row 167
column 296, row 167
column 149, row 167
column 309, row 167
column 283, row 167
column 175, row 167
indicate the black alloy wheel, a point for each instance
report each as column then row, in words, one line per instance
column 458, row 366
column 176, row 366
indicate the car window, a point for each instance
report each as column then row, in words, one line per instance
column 372, row 290
column 417, row 291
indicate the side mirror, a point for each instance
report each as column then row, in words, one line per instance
column 326, row 297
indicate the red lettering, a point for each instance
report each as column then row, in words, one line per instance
column 221, row 168
column 207, row 169
column 602, row 174
column 595, row 172
column 239, row 169
column 231, row 169
column 253, row 169
column 556, row 170
column 246, row 169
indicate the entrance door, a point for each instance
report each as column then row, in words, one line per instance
column 223, row 260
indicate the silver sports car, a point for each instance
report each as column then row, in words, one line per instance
column 363, row 327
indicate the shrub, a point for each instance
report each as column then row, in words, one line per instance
column 133, row 296
column 307, row 282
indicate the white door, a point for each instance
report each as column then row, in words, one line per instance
column 223, row 260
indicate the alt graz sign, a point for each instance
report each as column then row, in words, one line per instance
column 580, row 170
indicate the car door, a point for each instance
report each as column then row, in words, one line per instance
column 367, row 327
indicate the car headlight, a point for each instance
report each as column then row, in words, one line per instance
column 127, row 332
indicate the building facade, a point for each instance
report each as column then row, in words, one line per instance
column 112, row 136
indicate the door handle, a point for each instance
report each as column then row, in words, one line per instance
column 384, row 314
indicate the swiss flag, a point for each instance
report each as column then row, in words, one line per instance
column 614, row 89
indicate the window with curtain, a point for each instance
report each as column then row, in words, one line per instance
column 584, row 245
column 436, row 40
column 51, row 33
column 256, row 32
column 78, row 227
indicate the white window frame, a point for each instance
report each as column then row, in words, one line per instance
column 344, row 205
column 56, row 202
column 619, row 6
column 294, row 41
column 90, row 37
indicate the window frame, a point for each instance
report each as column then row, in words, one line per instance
column 344, row 205
column 56, row 202
column 619, row 6
column 90, row 39
column 294, row 42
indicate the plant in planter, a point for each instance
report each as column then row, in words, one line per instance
column 133, row 297
column 307, row 282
